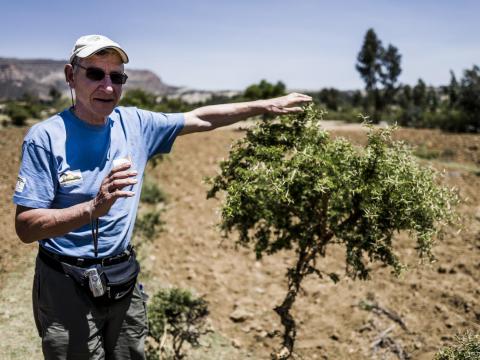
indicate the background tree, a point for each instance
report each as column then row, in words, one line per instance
column 378, row 66
column 368, row 64
column 469, row 99
column 432, row 99
column 139, row 98
column 390, row 70
column 329, row 97
column 405, row 97
column 419, row 94
column 356, row 99
column 290, row 186
column 264, row 90
column 453, row 90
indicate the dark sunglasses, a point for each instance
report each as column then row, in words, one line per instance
column 96, row 74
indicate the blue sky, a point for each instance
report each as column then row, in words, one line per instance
column 213, row 44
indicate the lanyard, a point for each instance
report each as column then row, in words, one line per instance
column 95, row 236
column 94, row 231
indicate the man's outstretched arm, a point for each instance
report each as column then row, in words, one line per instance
column 211, row 117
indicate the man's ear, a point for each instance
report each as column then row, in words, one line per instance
column 68, row 71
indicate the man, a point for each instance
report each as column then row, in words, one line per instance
column 77, row 195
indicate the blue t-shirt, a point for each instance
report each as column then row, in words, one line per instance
column 64, row 161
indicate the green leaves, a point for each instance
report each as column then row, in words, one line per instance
column 289, row 185
column 179, row 314
column 467, row 347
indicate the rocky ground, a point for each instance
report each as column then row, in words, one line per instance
column 377, row 319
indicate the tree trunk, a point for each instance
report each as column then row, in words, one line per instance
column 295, row 277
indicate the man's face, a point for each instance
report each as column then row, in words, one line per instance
column 95, row 100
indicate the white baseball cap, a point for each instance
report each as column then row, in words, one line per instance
column 90, row 44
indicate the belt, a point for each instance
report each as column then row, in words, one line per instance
column 54, row 260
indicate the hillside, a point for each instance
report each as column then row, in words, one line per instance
column 38, row 76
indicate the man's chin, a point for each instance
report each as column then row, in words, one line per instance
column 104, row 108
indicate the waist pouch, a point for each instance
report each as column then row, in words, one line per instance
column 118, row 279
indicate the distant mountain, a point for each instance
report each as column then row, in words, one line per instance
column 37, row 76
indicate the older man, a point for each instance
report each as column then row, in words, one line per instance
column 77, row 194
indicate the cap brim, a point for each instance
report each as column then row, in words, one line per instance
column 90, row 50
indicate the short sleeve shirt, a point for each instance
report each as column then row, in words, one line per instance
column 65, row 159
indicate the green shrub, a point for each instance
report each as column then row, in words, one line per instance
column 148, row 224
column 167, row 105
column 139, row 98
column 155, row 160
column 151, row 193
column 349, row 115
column 467, row 347
column 424, row 153
column 18, row 114
column 175, row 317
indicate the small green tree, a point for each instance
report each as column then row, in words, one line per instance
column 290, row 186
column 177, row 314
column 467, row 347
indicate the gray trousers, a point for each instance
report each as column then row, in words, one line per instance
column 72, row 327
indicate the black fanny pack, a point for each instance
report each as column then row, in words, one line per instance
column 105, row 280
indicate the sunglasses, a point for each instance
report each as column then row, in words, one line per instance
column 96, row 74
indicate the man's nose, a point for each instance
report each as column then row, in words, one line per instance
column 107, row 83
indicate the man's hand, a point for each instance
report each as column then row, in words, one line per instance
column 286, row 104
column 111, row 189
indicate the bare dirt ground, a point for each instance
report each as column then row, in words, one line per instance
column 377, row 319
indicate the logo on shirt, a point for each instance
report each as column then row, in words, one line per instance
column 71, row 178
column 21, row 181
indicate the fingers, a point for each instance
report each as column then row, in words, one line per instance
column 285, row 110
column 286, row 104
column 119, row 194
column 292, row 110
column 120, row 184
column 120, row 177
column 122, row 174
column 112, row 188
column 117, row 175
column 121, row 167
column 297, row 98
